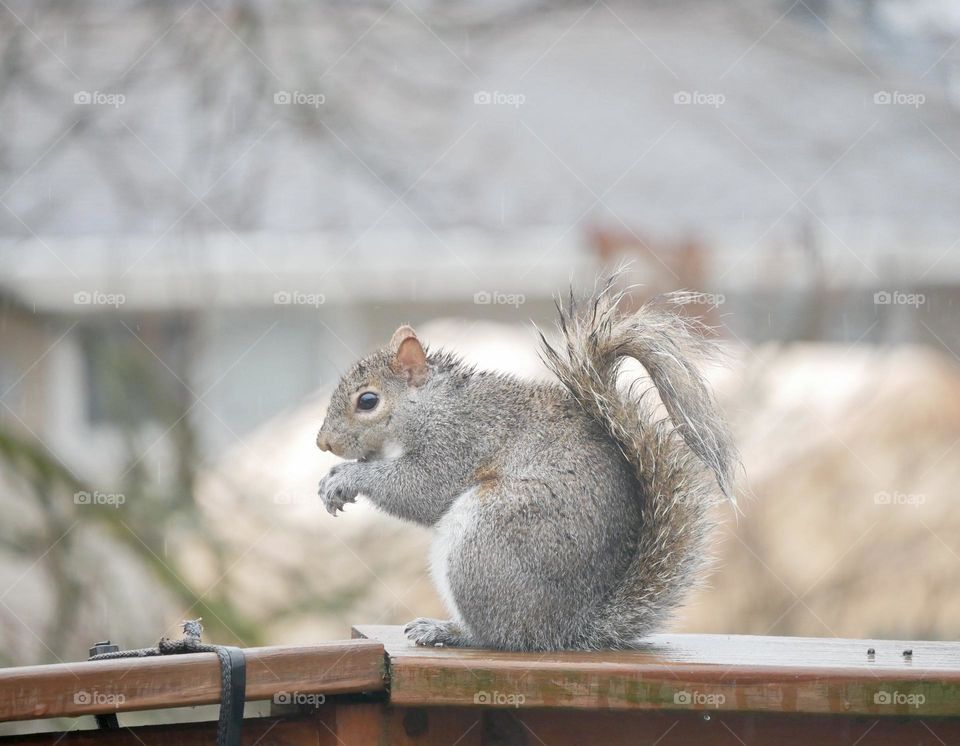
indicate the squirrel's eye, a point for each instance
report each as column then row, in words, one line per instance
column 367, row 401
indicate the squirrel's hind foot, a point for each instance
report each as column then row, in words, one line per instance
column 436, row 633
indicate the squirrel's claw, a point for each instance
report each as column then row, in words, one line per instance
column 334, row 493
column 434, row 633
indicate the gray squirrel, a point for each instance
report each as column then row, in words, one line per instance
column 566, row 515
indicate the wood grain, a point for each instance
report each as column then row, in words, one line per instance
column 708, row 673
column 127, row 684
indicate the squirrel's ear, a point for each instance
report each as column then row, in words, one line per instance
column 409, row 359
column 402, row 333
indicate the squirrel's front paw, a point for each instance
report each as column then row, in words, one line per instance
column 435, row 632
column 336, row 489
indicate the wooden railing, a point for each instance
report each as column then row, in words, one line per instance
column 129, row 684
column 379, row 689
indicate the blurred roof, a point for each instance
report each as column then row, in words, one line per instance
column 231, row 269
column 735, row 122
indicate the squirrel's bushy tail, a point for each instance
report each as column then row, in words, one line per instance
column 680, row 463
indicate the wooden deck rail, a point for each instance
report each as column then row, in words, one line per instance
column 677, row 689
column 682, row 672
column 128, row 684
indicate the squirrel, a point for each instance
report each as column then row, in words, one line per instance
column 566, row 515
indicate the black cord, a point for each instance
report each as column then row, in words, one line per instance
column 233, row 676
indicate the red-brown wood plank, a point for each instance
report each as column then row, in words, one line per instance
column 709, row 673
column 126, row 684
column 378, row 724
column 335, row 723
column 665, row 728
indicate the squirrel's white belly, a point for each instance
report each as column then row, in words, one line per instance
column 448, row 534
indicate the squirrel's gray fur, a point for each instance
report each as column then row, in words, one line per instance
column 566, row 516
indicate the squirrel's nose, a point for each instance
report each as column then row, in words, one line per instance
column 325, row 443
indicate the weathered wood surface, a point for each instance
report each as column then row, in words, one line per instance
column 126, row 684
column 378, row 724
column 706, row 673
column 678, row 690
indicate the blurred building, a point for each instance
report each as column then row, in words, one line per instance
column 195, row 160
column 200, row 330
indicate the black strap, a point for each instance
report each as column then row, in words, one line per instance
column 233, row 677
column 233, row 692
column 107, row 721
